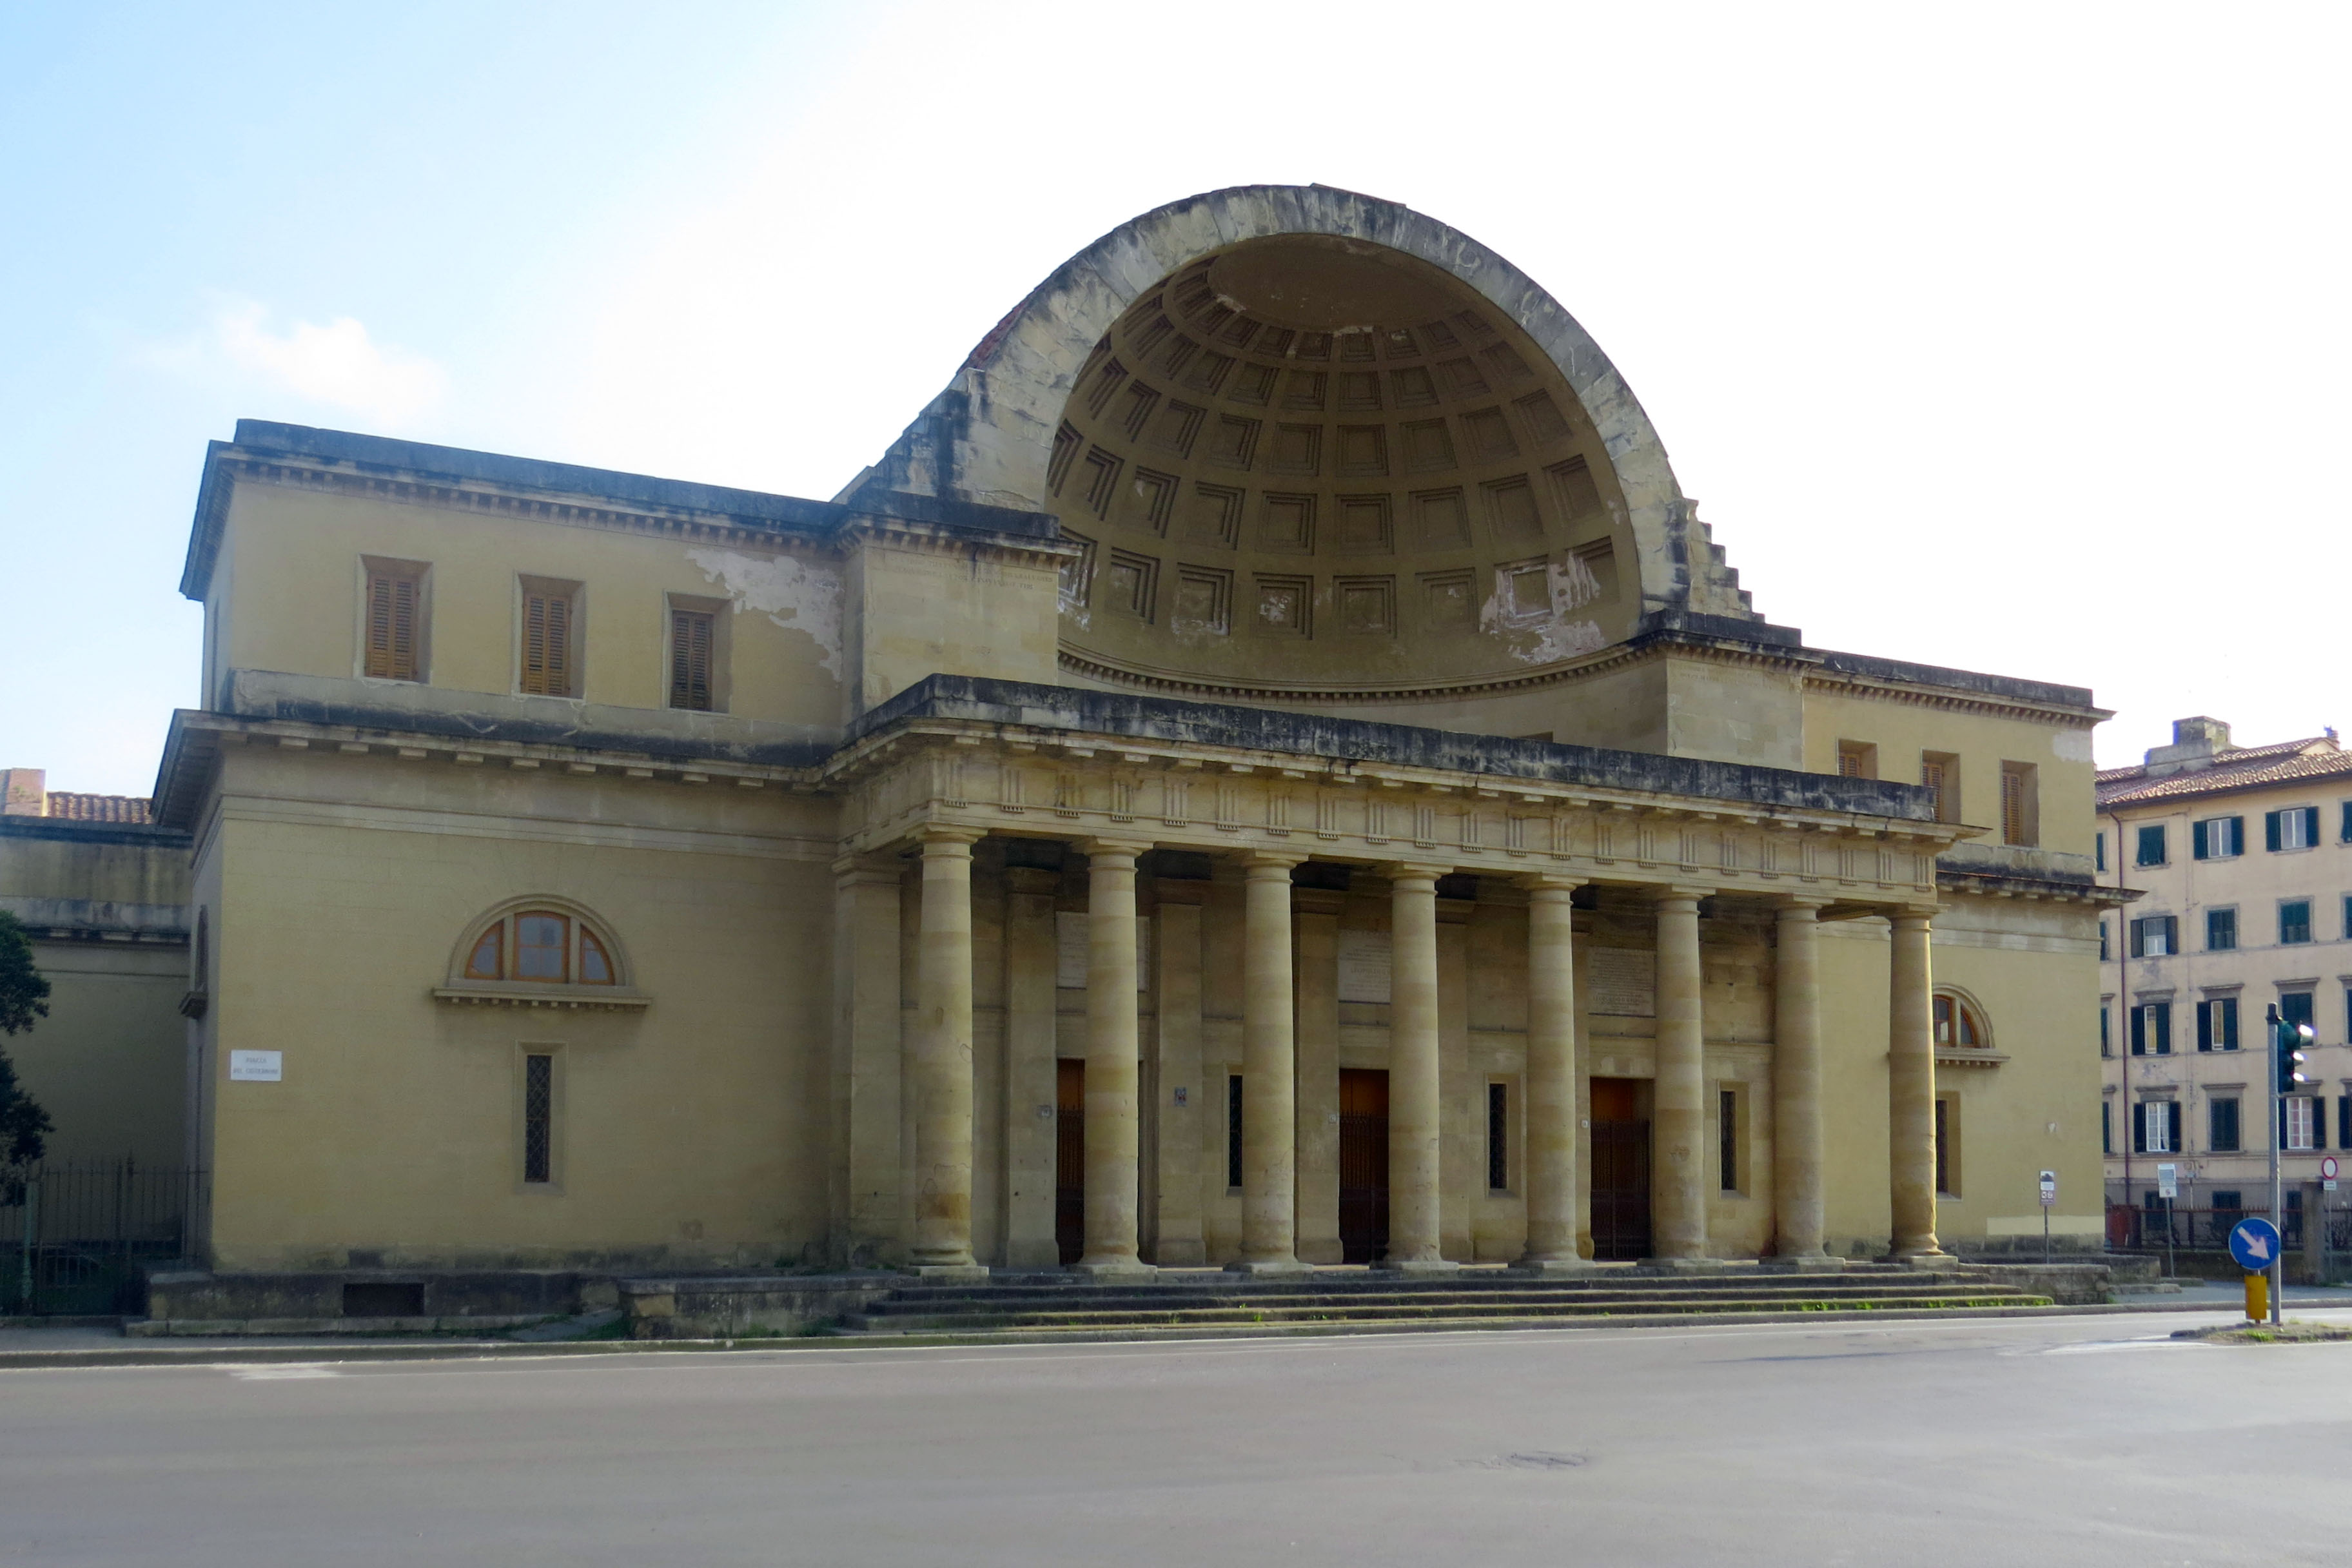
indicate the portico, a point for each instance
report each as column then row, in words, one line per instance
column 949, row 776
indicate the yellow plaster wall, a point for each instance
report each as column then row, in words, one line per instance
column 289, row 585
column 693, row 1131
column 1902, row 730
column 107, row 1063
column 918, row 610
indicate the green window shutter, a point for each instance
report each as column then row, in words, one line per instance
column 2139, row 1127
column 2139, row 1031
column 2197, row 841
column 2237, row 835
column 2204, row 1026
column 2270, row 831
column 2311, row 825
column 2346, row 833
column 2163, row 1011
column 2229, row 1023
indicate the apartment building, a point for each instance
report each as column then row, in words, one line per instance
column 2243, row 854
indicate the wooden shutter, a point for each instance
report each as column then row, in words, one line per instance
column 2172, row 1126
column 547, row 644
column 1932, row 775
column 2270, row 831
column 691, row 634
column 392, row 625
column 2237, row 835
column 2163, row 1015
column 2012, row 806
column 2205, row 1041
column 2311, row 828
column 2139, row 1031
column 2200, row 840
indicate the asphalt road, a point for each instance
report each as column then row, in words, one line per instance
column 2059, row 1441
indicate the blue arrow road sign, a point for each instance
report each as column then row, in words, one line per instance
column 2255, row 1243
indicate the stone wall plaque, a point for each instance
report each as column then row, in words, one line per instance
column 1070, row 949
column 1621, row 982
column 1363, row 965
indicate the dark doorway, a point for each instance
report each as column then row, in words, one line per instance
column 1363, row 1165
column 1621, row 1168
column 1070, row 1158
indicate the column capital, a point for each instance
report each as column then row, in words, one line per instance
column 1679, row 893
column 1098, row 848
column 1551, row 882
column 1913, row 914
column 1262, row 860
column 940, row 835
column 1801, row 906
column 865, row 870
column 1410, row 871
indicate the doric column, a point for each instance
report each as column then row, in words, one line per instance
column 1797, row 1139
column 1029, row 1050
column 866, row 1064
column 1911, row 1087
column 1552, row 1119
column 1112, row 1135
column 1415, row 1175
column 941, row 1056
column 1269, row 1166
column 1314, row 950
column 1678, row 1103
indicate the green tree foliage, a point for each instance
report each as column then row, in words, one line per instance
column 23, row 1000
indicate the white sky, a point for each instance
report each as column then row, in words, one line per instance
column 2006, row 337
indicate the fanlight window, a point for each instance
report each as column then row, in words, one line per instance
column 542, row 946
column 1956, row 1024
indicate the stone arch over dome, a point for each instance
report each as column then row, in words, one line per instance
column 1309, row 441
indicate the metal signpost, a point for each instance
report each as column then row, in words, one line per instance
column 2287, row 1041
column 2049, row 1200
column 2167, row 1187
column 2327, row 1185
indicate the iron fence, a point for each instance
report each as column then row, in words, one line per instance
column 2138, row 1228
column 76, row 1238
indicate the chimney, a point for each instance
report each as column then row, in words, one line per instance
column 2195, row 743
column 24, row 792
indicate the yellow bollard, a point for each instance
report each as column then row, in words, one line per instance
column 2258, row 1296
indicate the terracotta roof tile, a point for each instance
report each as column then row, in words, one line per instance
column 2248, row 767
column 98, row 807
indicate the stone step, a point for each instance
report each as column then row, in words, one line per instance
column 1109, row 1298
column 1329, row 1311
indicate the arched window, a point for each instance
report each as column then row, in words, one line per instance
column 1958, row 1023
column 539, row 948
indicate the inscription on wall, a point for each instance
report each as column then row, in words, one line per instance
column 1621, row 982
column 1363, row 965
column 1070, row 949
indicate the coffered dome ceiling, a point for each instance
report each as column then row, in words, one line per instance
column 1312, row 463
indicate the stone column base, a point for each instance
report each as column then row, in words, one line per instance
column 1119, row 1273
column 1803, row 1263
column 1681, row 1265
column 1270, row 1266
column 1930, row 1262
column 1552, row 1267
column 1420, row 1265
column 951, row 1273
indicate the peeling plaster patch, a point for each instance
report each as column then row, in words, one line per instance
column 2072, row 745
column 793, row 594
column 1568, row 586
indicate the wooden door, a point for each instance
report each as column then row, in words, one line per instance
column 1363, row 1165
column 1070, row 1158
column 1620, row 1186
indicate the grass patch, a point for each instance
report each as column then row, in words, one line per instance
column 2288, row 1333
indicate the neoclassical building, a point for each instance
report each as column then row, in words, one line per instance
column 1268, row 770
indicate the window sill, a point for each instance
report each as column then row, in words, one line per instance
column 594, row 998
column 1969, row 1056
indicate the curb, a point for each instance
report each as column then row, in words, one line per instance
column 200, row 1355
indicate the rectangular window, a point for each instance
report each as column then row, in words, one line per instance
column 2345, row 831
column 2226, row 1201
column 2152, row 1029
column 1856, row 759
column 2155, row 936
column 2220, row 929
column 2296, row 827
column 1727, row 1139
column 2151, row 847
column 2106, row 1126
column 2157, row 1128
column 2344, row 1122
column 2020, row 811
column 2106, row 1046
column 1233, row 1131
column 2294, row 920
column 2347, row 917
column 1947, row 1148
column 549, row 657
column 2217, row 1024
column 2103, row 940
column 2221, row 1126
column 2217, row 838
column 538, row 1117
column 2296, row 1007
column 699, row 637
column 1940, row 772
column 2299, row 1121
column 393, row 629
column 2099, row 849
column 1498, row 1138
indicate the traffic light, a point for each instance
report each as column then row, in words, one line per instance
column 2287, row 1041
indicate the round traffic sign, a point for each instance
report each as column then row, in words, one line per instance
column 2328, row 1169
column 2255, row 1243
